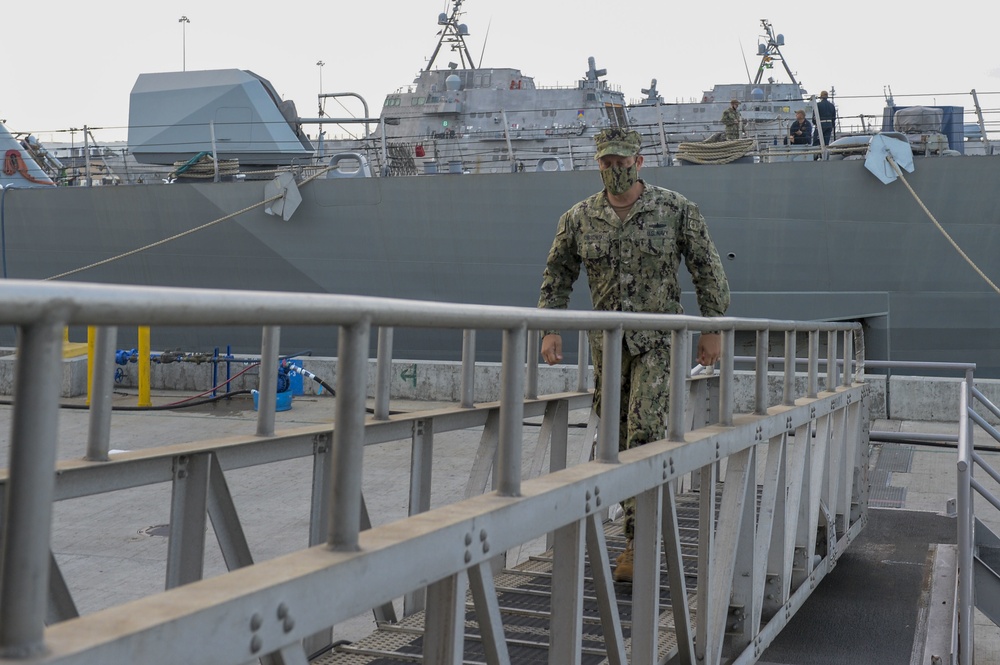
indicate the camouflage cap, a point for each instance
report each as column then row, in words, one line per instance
column 617, row 141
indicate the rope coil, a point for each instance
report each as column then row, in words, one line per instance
column 13, row 163
column 202, row 167
column 714, row 152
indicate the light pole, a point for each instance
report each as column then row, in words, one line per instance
column 184, row 20
column 320, row 63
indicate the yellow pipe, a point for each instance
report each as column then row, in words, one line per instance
column 72, row 349
column 144, row 369
column 90, row 359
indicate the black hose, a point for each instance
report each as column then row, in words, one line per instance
column 160, row 407
column 932, row 444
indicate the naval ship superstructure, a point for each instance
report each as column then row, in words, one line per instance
column 467, row 119
column 767, row 106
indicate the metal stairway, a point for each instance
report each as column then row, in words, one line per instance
column 525, row 596
column 986, row 571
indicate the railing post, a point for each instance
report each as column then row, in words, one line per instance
column 831, row 360
column 582, row 362
column 348, row 436
column 965, row 537
column 848, row 357
column 812, row 389
column 788, row 399
column 611, row 396
column 727, row 387
column 511, row 412
column 760, row 387
column 383, row 373
column 267, row 391
column 468, row 368
column 30, row 490
column 102, row 361
column 680, row 360
column 531, row 387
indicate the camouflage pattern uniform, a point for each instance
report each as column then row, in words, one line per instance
column 731, row 119
column 632, row 267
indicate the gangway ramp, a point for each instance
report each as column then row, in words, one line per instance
column 525, row 603
column 792, row 473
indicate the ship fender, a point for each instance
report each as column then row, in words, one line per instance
column 355, row 165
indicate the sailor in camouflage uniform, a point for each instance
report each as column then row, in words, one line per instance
column 631, row 237
column 732, row 120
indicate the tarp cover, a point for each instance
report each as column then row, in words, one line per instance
column 918, row 120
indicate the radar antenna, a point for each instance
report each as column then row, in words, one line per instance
column 453, row 33
column 592, row 77
column 652, row 95
column 771, row 51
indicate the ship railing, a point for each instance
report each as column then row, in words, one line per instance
column 978, row 576
column 950, row 618
column 758, row 558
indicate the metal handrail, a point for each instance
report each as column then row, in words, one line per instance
column 566, row 502
column 968, row 459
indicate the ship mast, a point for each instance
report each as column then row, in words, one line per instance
column 771, row 51
column 453, row 33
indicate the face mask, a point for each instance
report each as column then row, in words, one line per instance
column 619, row 179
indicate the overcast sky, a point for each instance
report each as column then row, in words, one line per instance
column 73, row 68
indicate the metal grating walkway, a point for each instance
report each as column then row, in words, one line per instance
column 524, row 596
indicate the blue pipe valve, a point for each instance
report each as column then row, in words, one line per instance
column 123, row 357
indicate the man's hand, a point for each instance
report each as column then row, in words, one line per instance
column 552, row 349
column 709, row 348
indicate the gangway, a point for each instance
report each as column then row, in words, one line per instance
column 749, row 510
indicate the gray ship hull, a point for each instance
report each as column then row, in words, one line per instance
column 822, row 240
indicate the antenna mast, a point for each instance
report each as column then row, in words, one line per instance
column 453, row 33
column 771, row 51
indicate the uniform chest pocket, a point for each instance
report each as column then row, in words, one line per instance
column 654, row 245
column 595, row 248
column 657, row 252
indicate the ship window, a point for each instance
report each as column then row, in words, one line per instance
column 591, row 97
column 486, row 80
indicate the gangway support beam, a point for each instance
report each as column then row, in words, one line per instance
column 607, row 603
column 567, row 595
column 675, row 575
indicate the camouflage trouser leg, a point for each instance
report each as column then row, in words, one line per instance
column 645, row 399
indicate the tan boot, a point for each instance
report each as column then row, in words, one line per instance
column 623, row 565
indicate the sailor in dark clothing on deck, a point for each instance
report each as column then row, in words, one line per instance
column 827, row 118
column 800, row 132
